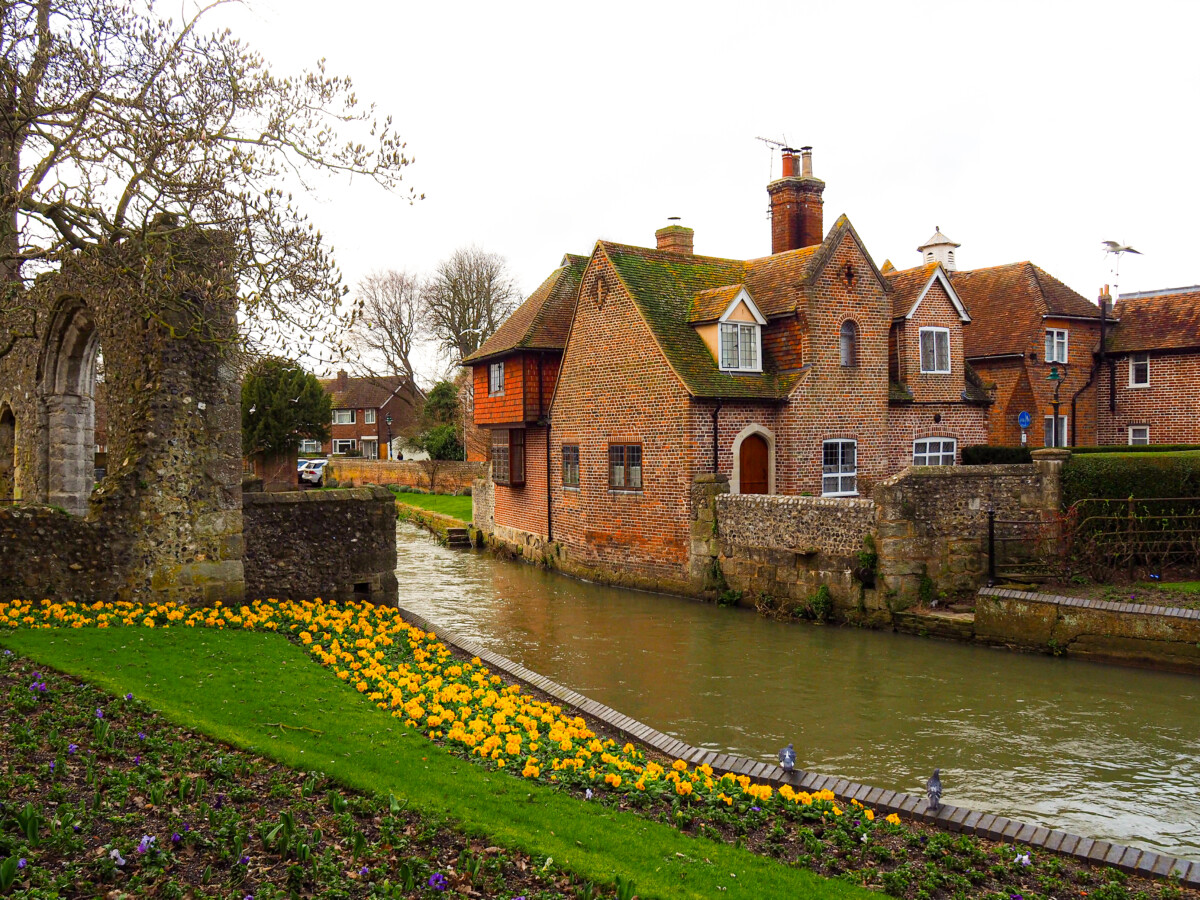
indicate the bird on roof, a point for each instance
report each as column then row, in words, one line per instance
column 934, row 788
column 1114, row 247
column 787, row 758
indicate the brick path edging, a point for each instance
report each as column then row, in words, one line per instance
column 1133, row 860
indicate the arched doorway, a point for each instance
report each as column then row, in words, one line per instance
column 8, row 455
column 67, row 381
column 754, row 468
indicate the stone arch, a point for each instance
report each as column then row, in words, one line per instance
column 66, row 388
column 8, row 453
column 735, row 482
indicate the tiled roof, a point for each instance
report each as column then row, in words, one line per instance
column 775, row 281
column 907, row 286
column 710, row 304
column 365, row 393
column 663, row 285
column 1164, row 321
column 1006, row 304
column 543, row 320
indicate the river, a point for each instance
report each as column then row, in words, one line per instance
column 1103, row 751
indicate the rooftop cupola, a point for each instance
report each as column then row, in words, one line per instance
column 796, row 204
column 939, row 249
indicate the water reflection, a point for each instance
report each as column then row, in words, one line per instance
column 1102, row 751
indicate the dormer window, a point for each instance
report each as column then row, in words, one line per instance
column 741, row 347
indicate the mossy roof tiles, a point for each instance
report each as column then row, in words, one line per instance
column 543, row 320
column 1166, row 321
column 709, row 305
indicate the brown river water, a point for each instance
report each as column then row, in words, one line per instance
column 1103, row 751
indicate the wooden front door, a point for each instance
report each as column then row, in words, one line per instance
column 753, row 459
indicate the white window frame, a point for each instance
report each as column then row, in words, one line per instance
column 848, row 343
column 366, row 445
column 944, row 457
column 368, row 417
column 339, row 445
column 747, row 342
column 496, row 379
column 343, row 419
column 934, row 332
column 845, row 473
column 309, row 446
column 1057, row 345
column 1135, row 360
column 1063, row 430
column 1137, row 443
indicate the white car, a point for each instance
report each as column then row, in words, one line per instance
column 313, row 471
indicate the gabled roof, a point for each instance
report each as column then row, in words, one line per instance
column 1007, row 304
column 368, row 393
column 543, row 320
column 710, row 304
column 910, row 287
column 1157, row 320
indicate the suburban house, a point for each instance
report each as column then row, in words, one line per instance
column 361, row 407
column 1148, row 383
column 630, row 372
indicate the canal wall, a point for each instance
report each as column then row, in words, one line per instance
column 1145, row 863
column 1128, row 633
column 334, row 544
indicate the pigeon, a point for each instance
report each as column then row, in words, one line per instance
column 934, row 787
column 787, row 758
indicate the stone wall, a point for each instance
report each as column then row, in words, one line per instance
column 336, row 545
column 450, row 477
column 47, row 553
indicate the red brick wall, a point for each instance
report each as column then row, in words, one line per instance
column 505, row 408
column 358, row 431
column 967, row 424
column 524, row 508
column 934, row 310
column 1170, row 405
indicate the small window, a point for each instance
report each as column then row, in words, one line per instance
column 625, row 467
column 508, row 456
column 849, row 343
column 1056, row 345
column 1053, row 440
column 570, row 465
column 495, row 379
column 839, row 470
column 1139, row 371
column 307, row 446
column 368, row 417
column 935, row 351
column 344, row 446
column 740, row 347
column 1139, row 435
column 934, row 452
column 343, row 417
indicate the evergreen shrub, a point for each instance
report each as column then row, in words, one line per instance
column 987, row 455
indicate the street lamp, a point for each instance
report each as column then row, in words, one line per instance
column 388, row 420
column 1057, row 379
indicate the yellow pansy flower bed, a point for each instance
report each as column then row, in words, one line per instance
column 411, row 675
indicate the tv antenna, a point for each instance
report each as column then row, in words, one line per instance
column 771, row 145
column 1118, row 250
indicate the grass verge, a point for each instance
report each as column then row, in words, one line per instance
column 239, row 687
column 458, row 507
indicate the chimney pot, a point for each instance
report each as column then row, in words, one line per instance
column 789, row 162
column 806, row 162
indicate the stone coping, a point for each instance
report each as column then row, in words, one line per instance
column 1138, row 609
column 1147, row 863
column 795, row 500
column 332, row 495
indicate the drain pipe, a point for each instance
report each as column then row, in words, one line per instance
column 549, row 507
column 715, row 412
column 1097, row 362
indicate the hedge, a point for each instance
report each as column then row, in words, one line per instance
column 987, row 455
column 1136, row 448
column 1122, row 475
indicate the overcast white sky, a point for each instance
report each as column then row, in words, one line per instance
column 1025, row 130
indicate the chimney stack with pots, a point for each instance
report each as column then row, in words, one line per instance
column 340, row 383
column 796, row 204
column 675, row 238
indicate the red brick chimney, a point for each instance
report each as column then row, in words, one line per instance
column 796, row 204
column 675, row 238
column 340, row 384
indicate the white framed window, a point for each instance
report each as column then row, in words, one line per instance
column 343, row 446
column 1059, row 440
column 934, row 451
column 848, row 340
column 307, row 446
column 741, row 347
column 343, row 417
column 495, row 379
column 935, row 351
column 1139, row 371
column 368, row 417
column 1139, row 435
column 1056, row 345
column 839, row 468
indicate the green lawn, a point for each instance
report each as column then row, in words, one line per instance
column 446, row 504
column 1184, row 587
column 233, row 685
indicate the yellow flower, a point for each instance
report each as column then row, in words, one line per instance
column 893, row 819
column 683, row 788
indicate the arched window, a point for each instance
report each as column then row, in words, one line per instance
column 8, row 454
column 849, row 343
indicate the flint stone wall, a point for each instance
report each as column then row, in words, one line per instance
column 336, row 545
column 48, row 554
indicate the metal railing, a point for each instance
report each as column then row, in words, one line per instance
column 1026, row 549
column 1137, row 534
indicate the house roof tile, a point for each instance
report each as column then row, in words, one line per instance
column 367, row 393
column 907, row 286
column 709, row 305
column 1166, row 320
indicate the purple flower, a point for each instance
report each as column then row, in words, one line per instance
column 115, row 856
column 21, row 863
column 71, row 748
column 141, row 735
column 248, row 897
column 77, row 829
column 245, row 860
column 220, row 801
column 187, row 827
column 437, row 881
column 364, row 871
column 129, row 696
column 51, row 765
column 756, row 809
column 37, row 675
column 146, row 843
column 176, row 838
column 137, row 759
column 587, row 795
column 99, row 713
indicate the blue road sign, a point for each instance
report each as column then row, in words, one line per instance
column 1024, row 420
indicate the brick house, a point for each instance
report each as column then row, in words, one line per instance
column 1148, row 383
column 666, row 365
column 360, row 410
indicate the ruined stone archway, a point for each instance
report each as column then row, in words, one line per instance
column 66, row 389
column 8, row 453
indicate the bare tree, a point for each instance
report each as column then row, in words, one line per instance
column 467, row 298
column 114, row 121
column 388, row 325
